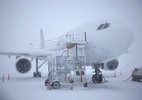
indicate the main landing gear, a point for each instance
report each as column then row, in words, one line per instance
column 37, row 73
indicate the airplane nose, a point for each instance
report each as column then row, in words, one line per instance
column 122, row 40
column 122, row 36
column 126, row 37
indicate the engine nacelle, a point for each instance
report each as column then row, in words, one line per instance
column 23, row 65
column 111, row 65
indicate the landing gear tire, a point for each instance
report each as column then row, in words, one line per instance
column 36, row 74
column 96, row 79
column 56, row 85
column 100, row 79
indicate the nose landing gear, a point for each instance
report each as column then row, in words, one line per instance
column 97, row 79
column 98, row 76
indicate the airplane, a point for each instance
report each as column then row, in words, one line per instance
column 101, row 42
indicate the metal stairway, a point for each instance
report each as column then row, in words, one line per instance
column 69, row 56
column 72, row 59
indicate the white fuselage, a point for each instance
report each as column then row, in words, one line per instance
column 105, row 43
column 102, row 42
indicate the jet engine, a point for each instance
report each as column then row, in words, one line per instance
column 23, row 65
column 111, row 65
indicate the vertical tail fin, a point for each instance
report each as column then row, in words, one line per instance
column 42, row 42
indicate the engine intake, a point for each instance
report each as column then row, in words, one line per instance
column 111, row 65
column 23, row 65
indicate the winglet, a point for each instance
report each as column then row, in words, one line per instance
column 42, row 42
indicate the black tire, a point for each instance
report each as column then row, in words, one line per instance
column 138, row 79
column 133, row 78
column 96, row 79
column 56, row 85
column 39, row 74
column 46, row 82
column 85, row 85
column 100, row 79
column 34, row 74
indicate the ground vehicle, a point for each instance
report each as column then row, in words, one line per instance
column 137, row 74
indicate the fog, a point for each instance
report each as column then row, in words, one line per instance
column 21, row 21
column 20, row 24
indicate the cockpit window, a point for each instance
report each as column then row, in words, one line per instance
column 103, row 26
column 100, row 27
column 106, row 25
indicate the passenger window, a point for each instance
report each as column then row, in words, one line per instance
column 100, row 27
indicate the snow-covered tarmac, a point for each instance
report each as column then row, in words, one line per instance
column 29, row 88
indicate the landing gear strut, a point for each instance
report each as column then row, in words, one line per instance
column 37, row 73
column 97, row 77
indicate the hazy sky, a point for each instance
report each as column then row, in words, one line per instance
column 21, row 20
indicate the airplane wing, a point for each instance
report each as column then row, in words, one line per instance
column 23, row 65
column 28, row 54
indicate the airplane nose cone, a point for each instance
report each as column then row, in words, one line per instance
column 126, row 37
column 123, row 36
column 122, row 40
